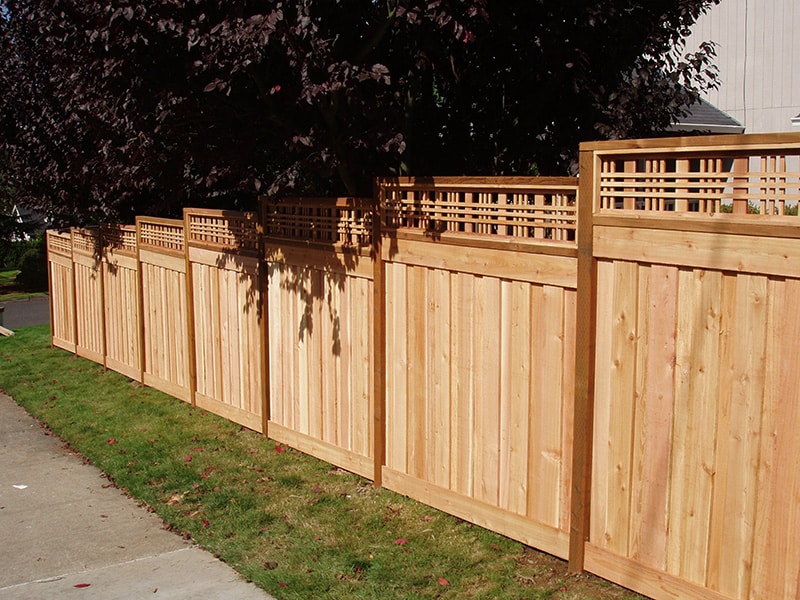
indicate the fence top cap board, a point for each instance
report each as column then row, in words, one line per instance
column 754, row 143
column 479, row 184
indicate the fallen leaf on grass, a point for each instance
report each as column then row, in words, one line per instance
column 279, row 449
column 401, row 542
column 443, row 581
column 112, row 441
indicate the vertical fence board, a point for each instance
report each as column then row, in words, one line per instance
column 653, row 419
column 463, row 397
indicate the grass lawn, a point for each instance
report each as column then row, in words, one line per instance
column 296, row 526
column 7, row 277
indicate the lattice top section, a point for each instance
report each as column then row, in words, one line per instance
column 86, row 241
column 223, row 230
column 345, row 222
column 165, row 234
column 765, row 184
column 59, row 243
column 120, row 238
column 528, row 208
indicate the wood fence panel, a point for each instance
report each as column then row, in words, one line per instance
column 121, row 301
column 320, row 352
column 320, row 324
column 226, row 297
column 480, row 329
column 694, row 472
column 165, row 314
column 469, row 409
column 62, row 290
column 90, row 319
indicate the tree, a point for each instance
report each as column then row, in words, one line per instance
column 121, row 107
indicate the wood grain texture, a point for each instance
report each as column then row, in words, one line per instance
column 320, row 353
column 479, row 373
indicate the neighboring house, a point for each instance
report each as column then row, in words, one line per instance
column 707, row 119
column 758, row 51
column 22, row 215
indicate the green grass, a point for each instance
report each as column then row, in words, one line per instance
column 21, row 296
column 7, row 277
column 296, row 526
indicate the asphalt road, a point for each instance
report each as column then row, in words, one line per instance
column 24, row 313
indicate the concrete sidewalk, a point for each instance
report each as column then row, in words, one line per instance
column 66, row 533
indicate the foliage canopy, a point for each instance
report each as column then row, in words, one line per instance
column 117, row 107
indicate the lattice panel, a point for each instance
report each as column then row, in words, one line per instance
column 85, row 241
column 337, row 221
column 541, row 214
column 224, row 230
column 120, row 238
column 59, row 243
column 755, row 184
column 162, row 233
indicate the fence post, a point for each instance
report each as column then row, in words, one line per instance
column 101, row 268
column 584, row 363
column 140, row 301
column 379, row 338
column 74, row 289
column 50, row 295
column 263, row 273
column 189, row 291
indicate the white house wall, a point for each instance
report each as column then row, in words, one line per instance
column 758, row 55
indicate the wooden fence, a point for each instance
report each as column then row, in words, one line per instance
column 607, row 376
column 691, row 478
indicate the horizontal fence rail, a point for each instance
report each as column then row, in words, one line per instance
column 600, row 367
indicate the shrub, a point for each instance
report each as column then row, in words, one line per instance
column 32, row 276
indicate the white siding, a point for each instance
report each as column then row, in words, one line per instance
column 758, row 55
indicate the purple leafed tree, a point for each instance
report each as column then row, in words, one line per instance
column 116, row 108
